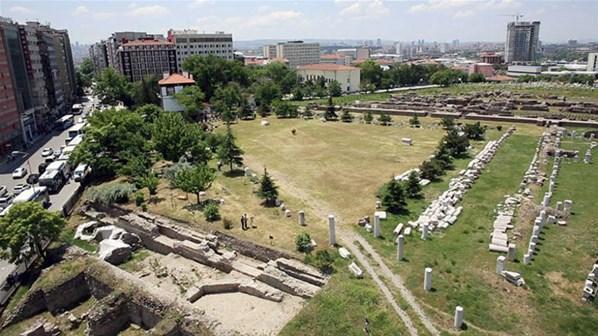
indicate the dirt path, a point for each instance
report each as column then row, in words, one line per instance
column 323, row 209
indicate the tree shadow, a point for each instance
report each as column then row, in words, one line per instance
column 193, row 207
column 234, row 173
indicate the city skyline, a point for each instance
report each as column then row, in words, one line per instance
column 90, row 21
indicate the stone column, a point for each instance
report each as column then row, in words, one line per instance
column 424, row 235
column 511, row 252
column 567, row 206
column 376, row 226
column 458, row 317
column 428, row 279
column 301, row 217
column 331, row 230
column 527, row 258
column 500, row 264
column 551, row 219
column 532, row 248
column 378, row 204
column 559, row 206
column 400, row 246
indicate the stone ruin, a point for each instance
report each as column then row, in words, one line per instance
column 590, row 288
column 443, row 211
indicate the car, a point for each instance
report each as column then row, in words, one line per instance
column 57, row 152
column 3, row 190
column 20, row 187
column 42, row 167
column 6, row 200
column 32, row 178
column 50, row 158
column 47, row 151
column 19, row 173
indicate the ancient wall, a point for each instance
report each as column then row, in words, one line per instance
column 67, row 295
column 250, row 249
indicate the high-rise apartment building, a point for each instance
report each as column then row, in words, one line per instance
column 191, row 42
column 593, row 62
column 10, row 123
column 146, row 57
column 269, row 51
column 298, row 52
column 522, row 43
column 115, row 41
column 98, row 54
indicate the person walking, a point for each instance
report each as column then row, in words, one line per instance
column 243, row 224
column 246, row 221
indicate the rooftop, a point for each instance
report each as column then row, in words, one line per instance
column 176, row 79
column 146, row 42
column 325, row 67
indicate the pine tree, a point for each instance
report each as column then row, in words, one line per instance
column 412, row 187
column 456, row 144
column 330, row 110
column 268, row 190
column 414, row 122
column 384, row 119
column 229, row 153
column 394, row 197
column 245, row 110
column 368, row 118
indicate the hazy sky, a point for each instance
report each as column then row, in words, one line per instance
column 432, row 20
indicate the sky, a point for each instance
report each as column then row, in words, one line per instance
column 431, row 20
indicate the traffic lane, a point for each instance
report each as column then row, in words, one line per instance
column 33, row 161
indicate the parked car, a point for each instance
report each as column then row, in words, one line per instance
column 32, row 178
column 57, row 153
column 6, row 200
column 20, row 187
column 19, row 173
column 50, row 158
column 81, row 172
column 47, row 151
column 42, row 167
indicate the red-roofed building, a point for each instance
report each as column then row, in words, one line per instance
column 146, row 56
column 169, row 86
column 346, row 76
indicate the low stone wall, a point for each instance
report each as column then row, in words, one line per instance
column 67, row 294
column 250, row 249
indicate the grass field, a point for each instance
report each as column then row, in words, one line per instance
column 464, row 269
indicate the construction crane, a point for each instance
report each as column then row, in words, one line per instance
column 516, row 16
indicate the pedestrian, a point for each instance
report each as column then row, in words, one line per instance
column 246, row 221
column 243, row 223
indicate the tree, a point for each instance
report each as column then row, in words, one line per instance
column 297, row 93
column 371, row 73
column 268, row 190
column 28, row 224
column 112, row 87
column 448, row 77
column 430, row 169
column 228, row 152
column 476, row 77
column 412, row 187
column 368, row 118
column 307, row 113
column 447, row 123
column 394, row 197
column 150, row 181
column 195, row 180
column 266, row 92
column 384, row 119
column 211, row 72
column 245, row 111
column 330, row 113
column 443, row 157
column 303, row 242
column 474, row 131
column 224, row 111
column 146, row 91
column 149, row 112
column 456, row 144
column 346, row 116
column 334, row 89
column 284, row 109
column 173, row 137
column 414, row 121
column 191, row 98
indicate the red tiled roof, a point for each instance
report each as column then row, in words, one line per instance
column 325, row 67
column 176, row 79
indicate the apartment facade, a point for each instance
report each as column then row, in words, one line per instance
column 522, row 44
column 146, row 57
column 298, row 52
column 190, row 42
column 10, row 124
column 269, row 51
column 98, row 54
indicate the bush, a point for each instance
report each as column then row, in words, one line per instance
column 110, row 193
column 324, row 261
column 211, row 212
column 303, row 242
column 499, row 128
column 144, row 207
column 228, row 224
column 139, row 198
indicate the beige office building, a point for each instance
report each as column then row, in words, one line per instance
column 298, row 53
column 346, row 76
column 189, row 42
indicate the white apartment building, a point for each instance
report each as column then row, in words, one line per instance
column 190, row 42
column 269, row 51
column 298, row 53
column 593, row 62
column 347, row 76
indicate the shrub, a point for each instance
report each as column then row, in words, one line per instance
column 303, row 242
column 110, row 193
column 211, row 211
column 144, row 207
column 324, row 261
column 139, row 198
column 228, row 224
column 499, row 128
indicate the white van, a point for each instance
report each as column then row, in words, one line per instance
column 81, row 172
